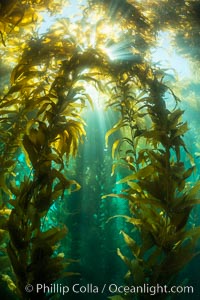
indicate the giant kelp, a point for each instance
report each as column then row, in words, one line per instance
column 158, row 191
column 41, row 123
column 181, row 18
column 18, row 14
column 40, row 119
column 44, row 138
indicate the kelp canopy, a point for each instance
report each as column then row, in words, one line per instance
column 43, row 90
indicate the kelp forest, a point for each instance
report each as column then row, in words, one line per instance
column 99, row 149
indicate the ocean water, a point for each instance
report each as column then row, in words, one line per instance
column 99, row 150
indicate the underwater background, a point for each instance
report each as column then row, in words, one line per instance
column 99, row 149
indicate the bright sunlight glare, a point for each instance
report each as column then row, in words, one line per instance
column 95, row 95
column 121, row 51
column 109, row 39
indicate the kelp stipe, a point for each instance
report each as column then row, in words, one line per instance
column 44, row 143
column 45, row 128
column 41, row 122
column 159, row 194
